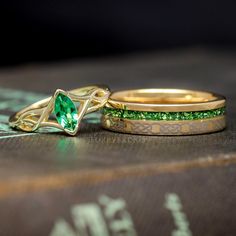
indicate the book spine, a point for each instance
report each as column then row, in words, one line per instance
column 193, row 202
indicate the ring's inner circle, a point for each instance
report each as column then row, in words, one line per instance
column 163, row 96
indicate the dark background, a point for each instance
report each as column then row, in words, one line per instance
column 58, row 29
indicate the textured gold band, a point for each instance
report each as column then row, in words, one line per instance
column 147, row 127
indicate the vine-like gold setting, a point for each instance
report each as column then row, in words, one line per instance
column 82, row 100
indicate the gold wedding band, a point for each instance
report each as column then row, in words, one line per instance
column 68, row 107
column 164, row 112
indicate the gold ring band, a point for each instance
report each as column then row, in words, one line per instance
column 164, row 112
column 68, row 107
column 169, row 100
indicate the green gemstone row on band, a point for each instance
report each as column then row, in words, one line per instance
column 144, row 115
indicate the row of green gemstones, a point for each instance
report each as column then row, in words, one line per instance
column 143, row 115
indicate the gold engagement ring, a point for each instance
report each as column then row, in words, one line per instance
column 68, row 107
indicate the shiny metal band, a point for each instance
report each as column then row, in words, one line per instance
column 165, row 100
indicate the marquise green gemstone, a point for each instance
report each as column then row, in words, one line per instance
column 66, row 112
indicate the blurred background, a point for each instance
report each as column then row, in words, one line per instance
column 58, row 30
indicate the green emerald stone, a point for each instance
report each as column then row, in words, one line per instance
column 66, row 112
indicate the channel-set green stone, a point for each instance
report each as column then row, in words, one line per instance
column 66, row 112
column 144, row 115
